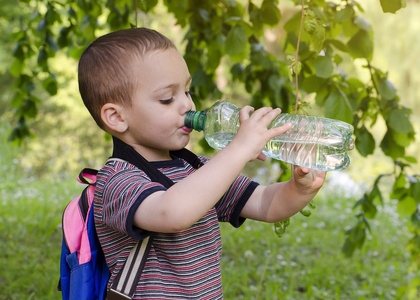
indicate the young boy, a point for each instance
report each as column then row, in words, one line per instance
column 136, row 85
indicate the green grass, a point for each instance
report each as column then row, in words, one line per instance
column 30, row 237
column 307, row 262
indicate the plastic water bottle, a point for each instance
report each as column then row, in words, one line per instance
column 313, row 142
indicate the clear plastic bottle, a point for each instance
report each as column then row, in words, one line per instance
column 316, row 143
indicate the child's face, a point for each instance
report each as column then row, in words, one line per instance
column 156, row 118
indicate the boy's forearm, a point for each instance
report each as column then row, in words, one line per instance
column 283, row 200
column 191, row 198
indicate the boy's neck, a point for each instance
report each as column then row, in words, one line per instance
column 122, row 148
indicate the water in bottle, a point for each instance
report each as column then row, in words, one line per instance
column 317, row 143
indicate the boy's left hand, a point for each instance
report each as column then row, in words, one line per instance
column 308, row 180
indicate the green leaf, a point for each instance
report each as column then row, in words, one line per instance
column 316, row 43
column 406, row 206
column 399, row 120
column 270, row 13
column 313, row 84
column 391, row 6
column 386, row 89
column 29, row 109
column 293, row 24
column 324, row 67
column 365, row 143
column 361, row 45
column 390, row 147
column 17, row 99
column 338, row 44
column 17, row 67
column 237, row 72
column 146, row 5
column 415, row 219
column 338, row 107
column 415, row 190
column 345, row 14
column 369, row 209
column 42, row 57
column 18, row 51
column 199, row 78
column 236, row 45
column 50, row 85
column 402, row 139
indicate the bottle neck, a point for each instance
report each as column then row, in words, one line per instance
column 195, row 120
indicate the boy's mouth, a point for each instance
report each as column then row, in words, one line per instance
column 186, row 129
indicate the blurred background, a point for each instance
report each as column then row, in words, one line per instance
column 38, row 178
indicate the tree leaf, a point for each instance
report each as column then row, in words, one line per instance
column 406, row 206
column 344, row 14
column 338, row 107
column 365, row 143
column 338, row 44
column 42, row 57
column 318, row 37
column 50, row 85
column 399, row 121
column 387, row 89
column 324, row 67
column 390, row 147
column 361, row 45
column 17, row 67
column 313, row 84
column 146, row 5
column 391, row 6
column 270, row 13
column 415, row 219
column 236, row 45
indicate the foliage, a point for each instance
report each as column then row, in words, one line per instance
column 234, row 31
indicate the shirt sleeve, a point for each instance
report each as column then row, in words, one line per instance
column 121, row 196
column 233, row 201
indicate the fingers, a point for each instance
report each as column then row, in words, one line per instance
column 245, row 112
column 262, row 157
column 264, row 114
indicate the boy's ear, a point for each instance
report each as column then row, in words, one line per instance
column 113, row 117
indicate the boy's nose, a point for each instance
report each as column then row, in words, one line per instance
column 187, row 104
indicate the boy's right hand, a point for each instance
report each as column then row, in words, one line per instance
column 253, row 135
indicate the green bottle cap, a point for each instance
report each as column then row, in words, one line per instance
column 195, row 120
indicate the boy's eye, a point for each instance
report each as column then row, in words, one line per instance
column 188, row 93
column 167, row 101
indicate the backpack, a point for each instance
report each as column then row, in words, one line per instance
column 84, row 274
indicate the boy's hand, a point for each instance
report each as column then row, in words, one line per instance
column 253, row 134
column 308, row 180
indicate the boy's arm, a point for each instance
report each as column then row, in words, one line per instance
column 186, row 202
column 282, row 200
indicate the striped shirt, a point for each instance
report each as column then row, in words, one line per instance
column 181, row 265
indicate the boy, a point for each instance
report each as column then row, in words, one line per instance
column 136, row 84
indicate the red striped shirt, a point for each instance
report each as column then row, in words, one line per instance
column 182, row 265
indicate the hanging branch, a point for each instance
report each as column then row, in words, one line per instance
column 297, row 57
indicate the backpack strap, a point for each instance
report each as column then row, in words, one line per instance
column 124, row 285
column 189, row 156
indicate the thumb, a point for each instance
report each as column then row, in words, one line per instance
column 301, row 171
